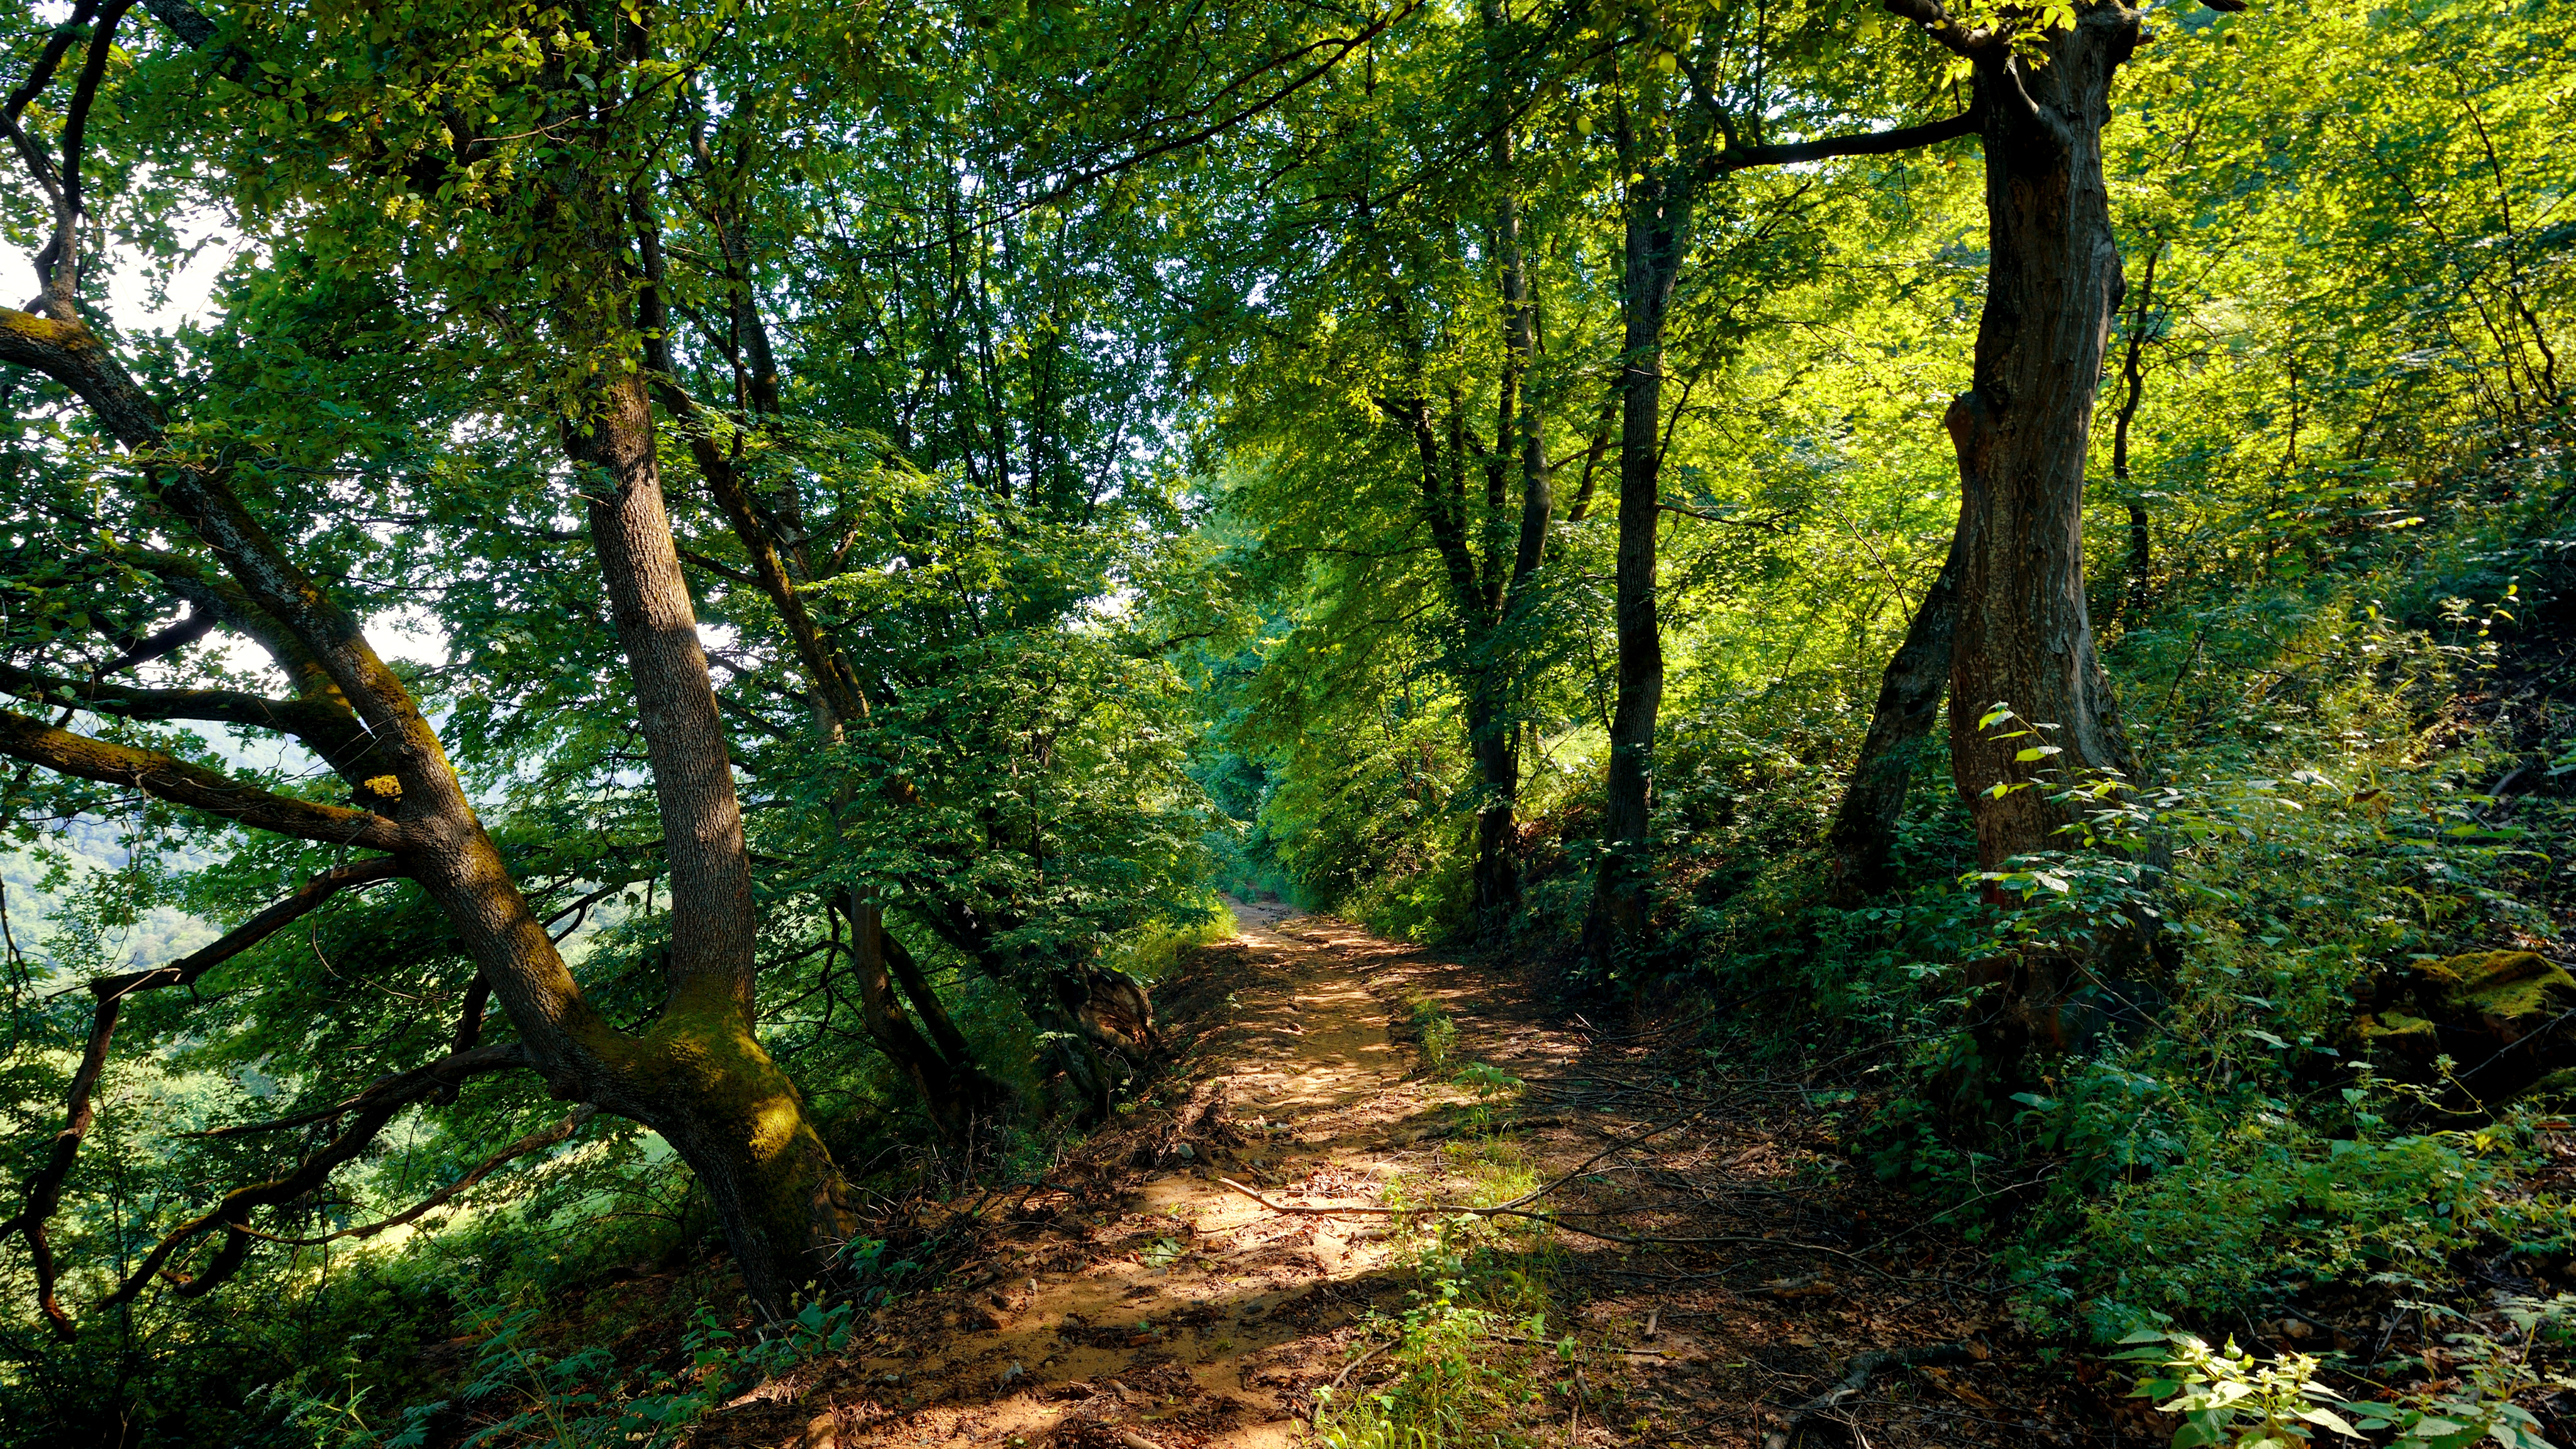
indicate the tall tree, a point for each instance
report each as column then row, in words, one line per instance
column 2024, row 637
column 1690, row 103
column 2006, row 623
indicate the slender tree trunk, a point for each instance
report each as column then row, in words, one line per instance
column 699, row 1075
column 1863, row 835
column 2024, row 637
column 684, row 739
column 1493, row 726
column 1658, row 222
column 2133, row 378
column 1492, row 735
column 954, row 1089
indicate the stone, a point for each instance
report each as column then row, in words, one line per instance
column 2501, row 1017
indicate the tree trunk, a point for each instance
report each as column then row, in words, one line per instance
column 2024, row 637
column 954, row 1090
column 1493, row 729
column 1492, row 735
column 699, row 1076
column 1863, row 835
column 2133, row 378
column 1658, row 225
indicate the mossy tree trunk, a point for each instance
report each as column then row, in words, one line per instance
column 699, row 1075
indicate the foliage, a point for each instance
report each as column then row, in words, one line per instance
column 1124, row 390
column 2228, row 1397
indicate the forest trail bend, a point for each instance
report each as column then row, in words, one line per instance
column 1139, row 1301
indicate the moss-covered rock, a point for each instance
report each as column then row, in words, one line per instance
column 2398, row 1029
column 2512, row 991
column 2502, row 1017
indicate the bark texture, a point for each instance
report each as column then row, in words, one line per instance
column 2024, row 637
column 675, row 698
column 699, row 1076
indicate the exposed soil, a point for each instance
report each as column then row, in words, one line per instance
column 1135, row 1300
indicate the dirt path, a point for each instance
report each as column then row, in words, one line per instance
column 1141, row 1302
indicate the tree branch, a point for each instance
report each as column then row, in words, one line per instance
column 40, row 166
column 184, row 21
column 1771, row 524
column 58, row 265
column 375, row 1107
column 1938, row 23
column 163, row 642
column 45, row 1188
column 186, row 970
column 330, row 731
column 396, row 1088
column 536, row 1141
column 73, row 355
column 169, row 778
column 1873, row 143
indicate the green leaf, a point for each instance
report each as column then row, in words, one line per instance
column 2331, row 1420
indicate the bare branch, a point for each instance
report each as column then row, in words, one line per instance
column 188, row 968
column 45, row 1189
column 536, row 1141
column 375, row 1107
column 395, row 1088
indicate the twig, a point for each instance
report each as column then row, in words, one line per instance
column 1856, row 1374
column 1348, row 1369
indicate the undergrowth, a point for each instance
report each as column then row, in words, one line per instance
column 1469, row 1360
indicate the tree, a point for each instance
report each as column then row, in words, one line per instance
column 1691, row 103
column 461, row 347
column 2024, row 635
column 698, row 1075
column 2007, row 622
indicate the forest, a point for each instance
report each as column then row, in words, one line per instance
column 1369, row 723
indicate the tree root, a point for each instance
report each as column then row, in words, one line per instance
column 1858, row 1370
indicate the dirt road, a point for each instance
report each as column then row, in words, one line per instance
column 1140, row 1301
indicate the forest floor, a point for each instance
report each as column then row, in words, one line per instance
column 1135, row 1300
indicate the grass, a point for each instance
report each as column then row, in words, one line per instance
column 1466, row 1364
